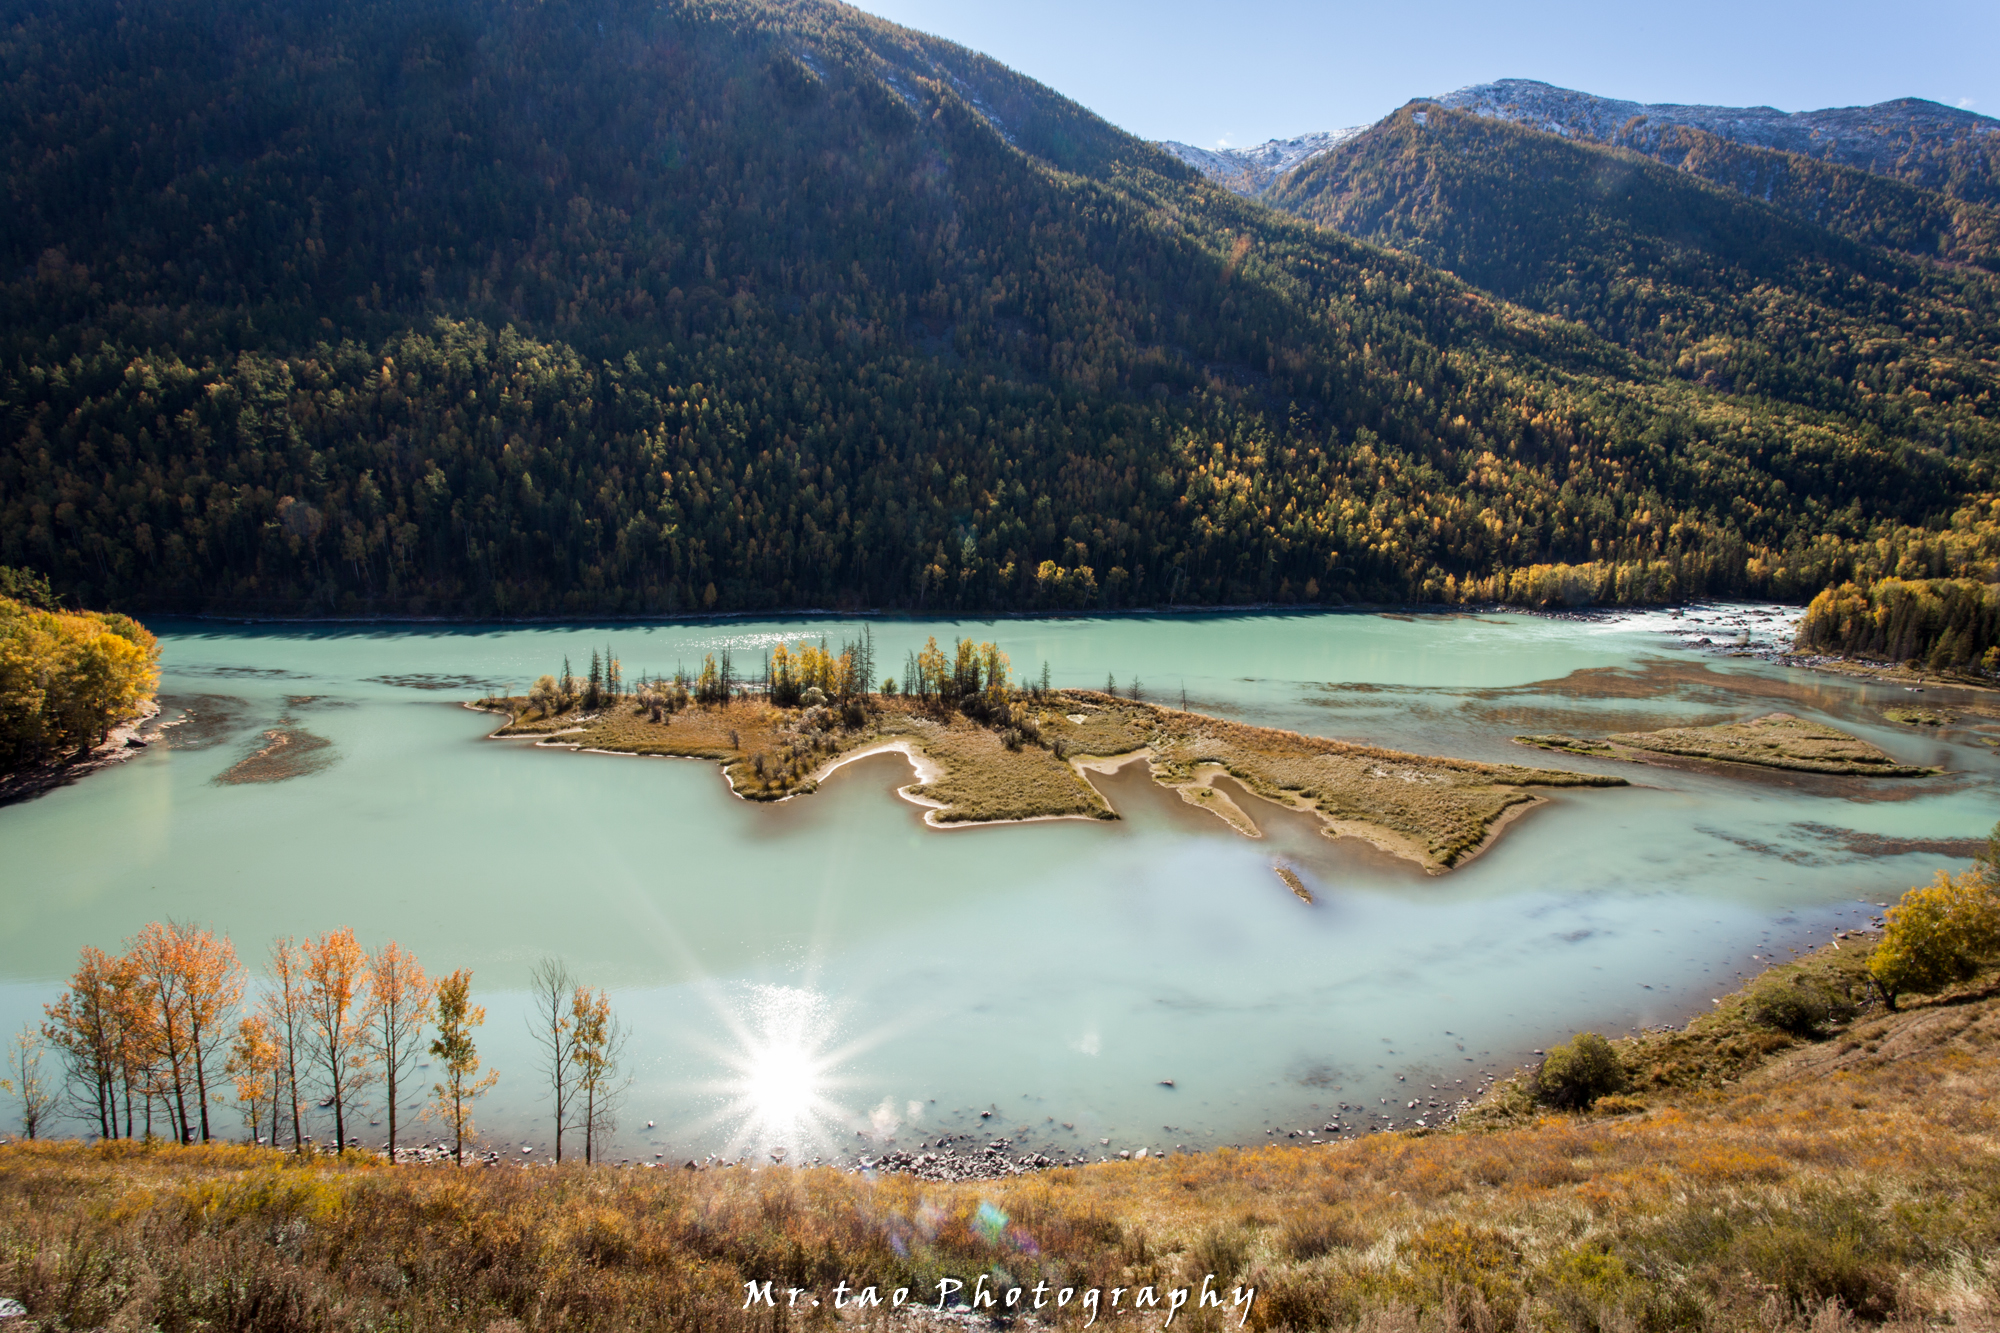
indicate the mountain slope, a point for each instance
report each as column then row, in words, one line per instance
column 1699, row 280
column 1923, row 143
column 613, row 306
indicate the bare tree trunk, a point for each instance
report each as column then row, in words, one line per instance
column 550, row 1024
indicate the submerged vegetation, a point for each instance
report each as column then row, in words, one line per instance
column 987, row 749
column 1802, row 1158
column 1776, row 740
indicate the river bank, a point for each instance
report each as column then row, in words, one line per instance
column 120, row 743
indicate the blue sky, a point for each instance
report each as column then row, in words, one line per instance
column 1244, row 73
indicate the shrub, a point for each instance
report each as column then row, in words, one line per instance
column 1223, row 1251
column 1617, row 1103
column 1937, row 934
column 1578, row 1072
column 1812, row 1265
column 1792, row 1002
column 1308, row 1235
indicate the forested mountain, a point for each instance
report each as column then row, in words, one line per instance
column 1700, row 280
column 1937, row 147
column 1878, row 174
column 613, row 306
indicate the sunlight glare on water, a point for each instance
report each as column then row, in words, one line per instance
column 782, row 1075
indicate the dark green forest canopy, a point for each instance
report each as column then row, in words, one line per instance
column 611, row 307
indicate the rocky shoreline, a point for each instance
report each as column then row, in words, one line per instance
column 120, row 743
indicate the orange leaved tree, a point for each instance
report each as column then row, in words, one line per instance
column 399, row 1003
column 336, row 979
column 195, row 984
column 257, row 1065
column 84, row 1026
column 283, row 1008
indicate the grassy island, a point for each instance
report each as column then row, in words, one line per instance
column 986, row 752
column 1776, row 740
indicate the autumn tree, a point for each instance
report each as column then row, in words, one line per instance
column 283, row 1007
column 597, row 1049
column 452, row 1098
column 66, row 678
column 136, row 1038
column 552, row 1024
column 257, row 1064
column 335, row 982
column 195, row 984
column 1938, row 934
column 214, row 990
column 25, row 1080
column 399, row 1003
column 86, row 1026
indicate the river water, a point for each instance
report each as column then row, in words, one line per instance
column 828, row 975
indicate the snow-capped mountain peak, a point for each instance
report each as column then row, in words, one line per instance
column 1251, row 171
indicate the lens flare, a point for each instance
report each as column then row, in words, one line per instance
column 783, row 1064
column 778, row 1095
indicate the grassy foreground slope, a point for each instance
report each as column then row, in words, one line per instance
column 610, row 306
column 1755, row 1180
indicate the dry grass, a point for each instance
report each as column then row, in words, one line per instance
column 1433, row 811
column 1820, row 1184
column 984, row 781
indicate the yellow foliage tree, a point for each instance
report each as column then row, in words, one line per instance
column 451, row 1100
column 67, row 678
column 1937, row 934
column 399, row 1003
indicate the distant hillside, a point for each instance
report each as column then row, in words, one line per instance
column 615, row 306
column 1875, row 210
column 1924, row 143
column 1252, row 171
column 1699, row 280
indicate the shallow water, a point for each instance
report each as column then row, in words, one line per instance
column 828, row 974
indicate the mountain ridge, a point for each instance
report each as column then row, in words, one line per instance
column 1949, row 149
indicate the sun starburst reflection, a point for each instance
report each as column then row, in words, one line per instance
column 779, row 1098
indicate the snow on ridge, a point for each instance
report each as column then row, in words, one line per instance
column 1252, row 171
column 1869, row 137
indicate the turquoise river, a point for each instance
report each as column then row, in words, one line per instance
column 827, row 975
